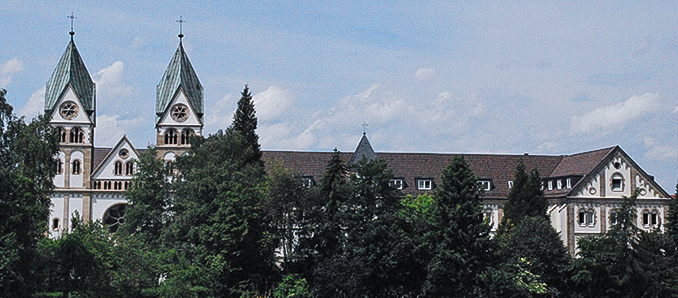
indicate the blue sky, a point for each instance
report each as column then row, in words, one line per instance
column 544, row 77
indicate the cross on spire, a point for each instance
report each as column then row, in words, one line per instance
column 181, row 27
column 71, row 17
column 364, row 125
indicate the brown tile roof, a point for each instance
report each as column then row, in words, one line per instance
column 99, row 155
column 580, row 163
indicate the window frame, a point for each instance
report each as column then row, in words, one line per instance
column 422, row 184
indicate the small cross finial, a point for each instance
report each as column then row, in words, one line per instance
column 364, row 125
column 71, row 17
column 181, row 27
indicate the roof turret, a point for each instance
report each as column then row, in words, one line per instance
column 71, row 71
column 179, row 75
column 364, row 149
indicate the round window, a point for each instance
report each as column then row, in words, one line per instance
column 68, row 110
column 123, row 153
column 592, row 191
column 114, row 217
column 179, row 112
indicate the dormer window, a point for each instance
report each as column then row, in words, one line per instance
column 617, row 182
column 485, row 185
column 550, row 185
column 397, row 183
column 307, row 181
column 510, row 184
column 559, row 184
column 424, row 184
column 568, row 182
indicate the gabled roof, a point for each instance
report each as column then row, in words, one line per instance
column 179, row 75
column 101, row 155
column 364, row 149
column 71, row 70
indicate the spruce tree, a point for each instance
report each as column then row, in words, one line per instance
column 245, row 123
column 525, row 199
column 672, row 218
column 460, row 239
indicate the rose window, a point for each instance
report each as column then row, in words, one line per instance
column 68, row 110
column 179, row 112
column 114, row 217
column 124, row 153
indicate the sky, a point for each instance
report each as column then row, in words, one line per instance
column 544, row 77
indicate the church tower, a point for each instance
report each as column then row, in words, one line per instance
column 178, row 106
column 70, row 99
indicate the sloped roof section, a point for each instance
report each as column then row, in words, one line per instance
column 71, row 70
column 179, row 74
column 580, row 163
column 364, row 149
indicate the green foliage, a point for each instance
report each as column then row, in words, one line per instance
column 525, row 199
column 672, row 218
column 292, row 286
column 245, row 123
column 534, row 247
column 461, row 247
column 27, row 165
column 415, row 209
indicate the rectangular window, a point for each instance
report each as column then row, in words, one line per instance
column 510, row 184
column 569, row 182
column 613, row 217
column 550, row 185
column 559, row 184
column 424, row 184
column 485, row 185
column 307, row 181
column 397, row 183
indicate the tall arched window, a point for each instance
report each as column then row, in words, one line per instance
column 75, row 167
column 118, row 168
column 171, row 136
column 76, row 135
column 654, row 218
column 55, row 224
column 646, row 218
column 185, row 136
column 60, row 166
column 62, row 134
column 129, row 168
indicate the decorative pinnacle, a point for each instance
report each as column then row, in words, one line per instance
column 364, row 125
column 71, row 17
column 181, row 27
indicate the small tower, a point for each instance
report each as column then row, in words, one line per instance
column 364, row 150
column 178, row 106
column 70, row 100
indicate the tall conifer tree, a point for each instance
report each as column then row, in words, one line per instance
column 526, row 198
column 245, row 123
column 461, row 246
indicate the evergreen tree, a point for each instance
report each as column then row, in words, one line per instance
column 27, row 166
column 525, row 199
column 220, row 229
column 460, row 239
column 672, row 218
column 245, row 123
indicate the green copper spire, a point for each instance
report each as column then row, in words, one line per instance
column 71, row 71
column 179, row 76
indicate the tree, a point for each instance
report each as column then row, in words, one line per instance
column 245, row 123
column 221, row 229
column 27, row 166
column 460, row 239
column 672, row 218
column 525, row 199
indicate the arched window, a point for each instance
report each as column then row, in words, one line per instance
column 60, row 166
column 55, row 224
column 118, row 168
column 646, row 218
column 115, row 217
column 129, row 168
column 617, row 183
column 75, row 167
column 586, row 217
column 76, row 135
column 186, row 135
column 62, row 134
column 171, row 136
column 654, row 218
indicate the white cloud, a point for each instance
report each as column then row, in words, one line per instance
column 35, row 104
column 138, row 42
column 675, row 110
column 110, row 128
column 272, row 102
column 109, row 80
column 615, row 117
column 220, row 115
column 659, row 150
column 11, row 67
column 425, row 74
